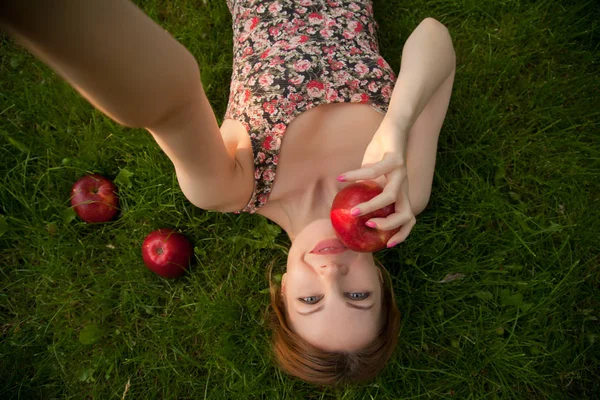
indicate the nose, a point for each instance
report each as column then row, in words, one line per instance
column 333, row 269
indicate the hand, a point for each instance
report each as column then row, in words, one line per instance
column 384, row 163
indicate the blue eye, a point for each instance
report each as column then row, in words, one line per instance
column 357, row 296
column 310, row 299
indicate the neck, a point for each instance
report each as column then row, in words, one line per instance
column 313, row 204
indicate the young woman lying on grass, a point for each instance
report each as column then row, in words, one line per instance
column 308, row 71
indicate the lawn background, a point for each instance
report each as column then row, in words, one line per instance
column 515, row 209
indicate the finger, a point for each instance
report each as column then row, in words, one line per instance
column 402, row 233
column 385, row 198
column 403, row 198
column 392, row 221
column 386, row 165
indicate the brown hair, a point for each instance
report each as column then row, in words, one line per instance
column 299, row 358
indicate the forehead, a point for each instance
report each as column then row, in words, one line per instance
column 338, row 328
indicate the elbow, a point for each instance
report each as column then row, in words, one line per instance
column 177, row 96
column 442, row 35
column 162, row 99
column 437, row 28
column 179, row 90
column 434, row 25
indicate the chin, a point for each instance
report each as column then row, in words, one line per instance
column 317, row 229
column 314, row 231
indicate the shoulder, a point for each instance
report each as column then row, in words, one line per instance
column 224, row 191
column 229, row 186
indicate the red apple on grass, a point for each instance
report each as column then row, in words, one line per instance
column 167, row 253
column 352, row 231
column 94, row 199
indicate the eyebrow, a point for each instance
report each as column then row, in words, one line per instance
column 349, row 305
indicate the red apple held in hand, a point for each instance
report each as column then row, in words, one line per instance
column 94, row 199
column 352, row 231
column 167, row 253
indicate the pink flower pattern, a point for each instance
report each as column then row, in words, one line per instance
column 293, row 55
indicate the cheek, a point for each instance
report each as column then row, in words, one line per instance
column 294, row 258
column 295, row 277
column 300, row 281
column 295, row 263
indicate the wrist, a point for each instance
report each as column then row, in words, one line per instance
column 398, row 122
column 398, row 125
column 394, row 133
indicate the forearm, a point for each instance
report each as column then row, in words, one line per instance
column 111, row 52
column 427, row 60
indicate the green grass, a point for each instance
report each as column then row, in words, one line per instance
column 515, row 208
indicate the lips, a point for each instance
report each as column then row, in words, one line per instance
column 329, row 246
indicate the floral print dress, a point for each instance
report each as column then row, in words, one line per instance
column 293, row 55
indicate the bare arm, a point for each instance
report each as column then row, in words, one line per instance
column 135, row 72
column 402, row 153
column 428, row 59
column 111, row 52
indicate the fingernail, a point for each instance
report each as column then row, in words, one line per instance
column 341, row 178
column 392, row 245
column 355, row 212
column 371, row 224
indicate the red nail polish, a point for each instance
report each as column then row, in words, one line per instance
column 371, row 224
